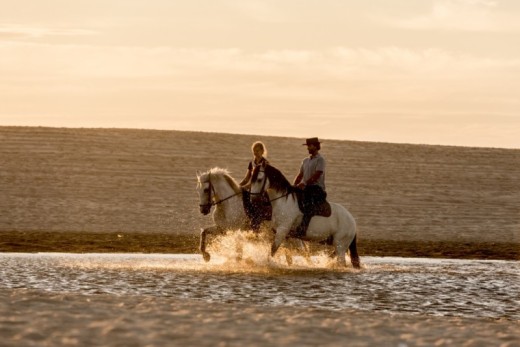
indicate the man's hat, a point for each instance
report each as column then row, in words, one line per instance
column 311, row 141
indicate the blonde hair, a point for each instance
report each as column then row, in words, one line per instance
column 261, row 145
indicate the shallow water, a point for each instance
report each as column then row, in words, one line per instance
column 465, row 288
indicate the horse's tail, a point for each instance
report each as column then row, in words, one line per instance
column 354, row 256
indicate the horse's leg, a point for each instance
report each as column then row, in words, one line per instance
column 239, row 248
column 281, row 233
column 354, row 256
column 290, row 244
column 305, row 251
column 202, row 247
column 341, row 251
column 288, row 257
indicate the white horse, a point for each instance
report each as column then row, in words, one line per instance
column 217, row 188
column 340, row 226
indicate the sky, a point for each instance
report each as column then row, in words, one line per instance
column 443, row 72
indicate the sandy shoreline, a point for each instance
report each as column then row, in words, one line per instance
column 43, row 319
column 75, row 242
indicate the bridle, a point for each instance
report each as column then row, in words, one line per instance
column 211, row 190
column 262, row 190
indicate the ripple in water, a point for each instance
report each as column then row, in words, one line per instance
column 394, row 285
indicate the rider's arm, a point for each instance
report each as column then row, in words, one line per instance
column 298, row 179
column 314, row 178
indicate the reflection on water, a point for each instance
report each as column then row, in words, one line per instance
column 394, row 285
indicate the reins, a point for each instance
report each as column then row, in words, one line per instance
column 212, row 189
column 221, row 201
column 262, row 190
column 281, row 196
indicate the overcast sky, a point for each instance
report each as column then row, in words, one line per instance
column 425, row 71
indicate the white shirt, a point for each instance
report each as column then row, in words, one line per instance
column 309, row 167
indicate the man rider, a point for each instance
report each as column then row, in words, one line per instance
column 311, row 178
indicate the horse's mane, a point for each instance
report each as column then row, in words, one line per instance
column 277, row 180
column 217, row 171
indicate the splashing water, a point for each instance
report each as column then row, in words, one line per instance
column 249, row 252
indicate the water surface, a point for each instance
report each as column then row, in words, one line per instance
column 438, row 287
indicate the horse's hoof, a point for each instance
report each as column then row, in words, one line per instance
column 206, row 256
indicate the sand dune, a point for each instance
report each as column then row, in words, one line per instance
column 120, row 180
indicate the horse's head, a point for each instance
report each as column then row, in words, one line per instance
column 259, row 181
column 205, row 190
column 266, row 177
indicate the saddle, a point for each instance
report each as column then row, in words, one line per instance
column 324, row 209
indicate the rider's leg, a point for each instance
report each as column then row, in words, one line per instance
column 309, row 209
column 246, row 200
column 257, row 215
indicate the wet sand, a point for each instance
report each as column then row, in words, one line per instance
column 42, row 319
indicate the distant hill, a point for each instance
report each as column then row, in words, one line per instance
column 91, row 180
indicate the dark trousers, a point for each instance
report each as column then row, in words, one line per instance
column 257, row 211
column 314, row 196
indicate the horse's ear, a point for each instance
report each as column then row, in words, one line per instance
column 198, row 174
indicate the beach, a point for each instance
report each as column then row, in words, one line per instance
column 119, row 191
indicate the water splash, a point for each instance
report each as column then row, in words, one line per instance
column 235, row 252
column 245, row 251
